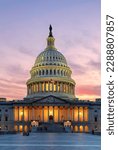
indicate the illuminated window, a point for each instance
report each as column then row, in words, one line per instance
column 64, row 88
column 86, row 128
column 16, row 128
column 85, row 114
column 58, row 87
column 20, row 128
column 55, row 114
column 76, row 128
column 42, row 87
column 81, row 128
column 46, row 87
column 36, row 87
column 45, row 114
column 50, row 87
column 80, row 114
column 54, row 87
column 76, row 114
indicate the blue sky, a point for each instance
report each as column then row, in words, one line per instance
column 23, row 32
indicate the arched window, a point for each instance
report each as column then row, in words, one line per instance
column 46, row 72
column 62, row 72
column 86, row 128
column 58, row 72
column 81, row 128
column 54, row 72
column 42, row 72
column 50, row 72
column 39, row 72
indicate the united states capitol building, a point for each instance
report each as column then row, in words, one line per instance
column 50, row 104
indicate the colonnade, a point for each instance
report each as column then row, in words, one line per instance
column 50, row 86
column 43, row 113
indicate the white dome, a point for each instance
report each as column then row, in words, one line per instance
column 50, row 57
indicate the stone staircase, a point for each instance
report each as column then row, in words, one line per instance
column 49, row 127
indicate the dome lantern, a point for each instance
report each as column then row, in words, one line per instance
column 50, row 40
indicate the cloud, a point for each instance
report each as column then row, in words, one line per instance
column 88, row 90
column 27, row 51
column 95, row 65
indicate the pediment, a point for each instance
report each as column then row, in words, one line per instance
column 51, row 100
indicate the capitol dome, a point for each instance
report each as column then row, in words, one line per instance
column 50, row 74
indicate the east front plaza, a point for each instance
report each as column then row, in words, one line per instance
column 50, row 141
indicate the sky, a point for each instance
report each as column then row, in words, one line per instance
column 23, row 32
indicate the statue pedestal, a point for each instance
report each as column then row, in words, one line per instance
column 34, row 129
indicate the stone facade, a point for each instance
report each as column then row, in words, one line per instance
column 50, row 100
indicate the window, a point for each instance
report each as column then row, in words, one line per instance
column 46, row 87
column 46, row 72
column 95, row 119
column 50, row 87
column 43, row 72
column 54, row 87
column 58, row 71
column 50, row 72
column 54, row 72
column 42, row 87
column 6, row 118
column 39, row 72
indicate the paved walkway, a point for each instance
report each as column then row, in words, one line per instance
column 50, row 141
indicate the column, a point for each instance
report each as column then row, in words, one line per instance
column 48, row 113
column 58, row 114
column 28, row 113
column 18, row 113
column 89, row 114
column 33, row 113
column 23, row 114
column 53, row 113
column 48, row 86
column 68, row 113
column 73, row 113
column 83, row 114
column 43, row 113
column 57, row 87
column 39, row 87
column 78, row 113
column 53, row 86
column 44, row 86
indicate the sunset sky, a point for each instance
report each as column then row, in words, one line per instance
column 23, row 32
